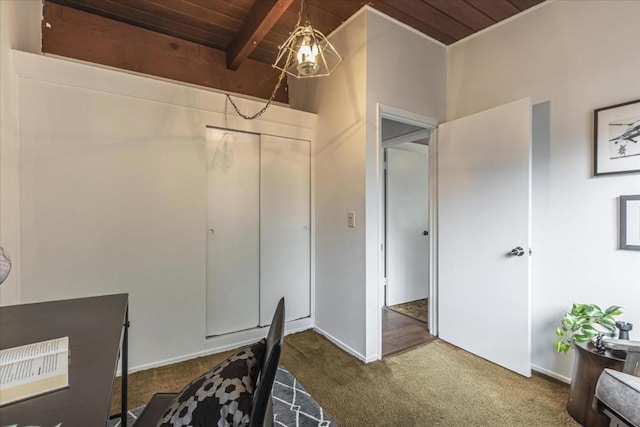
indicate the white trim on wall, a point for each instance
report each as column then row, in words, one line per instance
column 403, row 25
column 503, row 22
column 227, row 342
column 551, row 374
column 343, row 346
column 433, row 231
column 431, row 39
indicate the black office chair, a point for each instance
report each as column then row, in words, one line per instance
column 261, row 404
column 617, row 394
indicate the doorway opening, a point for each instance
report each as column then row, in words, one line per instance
column 406, row 234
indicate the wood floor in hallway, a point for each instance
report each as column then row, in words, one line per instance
column 401, row 333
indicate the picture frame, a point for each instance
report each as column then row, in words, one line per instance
column 630, row 222
column 617, row 139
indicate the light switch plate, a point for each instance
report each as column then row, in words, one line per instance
column 351, row 219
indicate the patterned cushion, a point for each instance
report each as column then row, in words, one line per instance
column 220, row 397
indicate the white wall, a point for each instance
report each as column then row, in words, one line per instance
column 579, row 55
column 405, row 70
column 112, row 195
column 19, row 29
column 339, row 101
column 347, row 156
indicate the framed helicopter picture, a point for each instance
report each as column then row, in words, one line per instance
column 617, row 139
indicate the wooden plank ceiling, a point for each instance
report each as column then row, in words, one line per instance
column 230, row 44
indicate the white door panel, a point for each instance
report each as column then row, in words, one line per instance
column 233, row 258
column 484, row 198
column 407, row 219
column 284, row 227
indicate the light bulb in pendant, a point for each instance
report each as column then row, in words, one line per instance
column 307, row 54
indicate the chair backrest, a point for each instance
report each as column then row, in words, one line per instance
column 616, row 394
column 262, row 393
column 632, row 363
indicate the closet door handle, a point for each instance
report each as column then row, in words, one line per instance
column 212, row 231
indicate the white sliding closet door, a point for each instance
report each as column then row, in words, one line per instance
column 233, row 221
column 284, row 227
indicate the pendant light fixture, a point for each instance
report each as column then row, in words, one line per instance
column 305, row 53
column 314, row 55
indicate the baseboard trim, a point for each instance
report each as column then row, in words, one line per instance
column 340, row 344
column 551, row 374
column 372, row 358
column 226, row 342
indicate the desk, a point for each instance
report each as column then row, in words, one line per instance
column 587, row 368
column 96, row 327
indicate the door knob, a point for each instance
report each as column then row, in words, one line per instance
column 211, row 231
column 517, row 251
column 425, row 233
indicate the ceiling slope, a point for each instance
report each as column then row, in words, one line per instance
column 239, row 38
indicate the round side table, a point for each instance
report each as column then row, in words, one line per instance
column 588, row 365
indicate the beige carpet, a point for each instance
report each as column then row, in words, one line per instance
column 417, row 309
column 434, row 385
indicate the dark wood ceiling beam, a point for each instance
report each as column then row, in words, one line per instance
column 88, row 37
column 261, row 19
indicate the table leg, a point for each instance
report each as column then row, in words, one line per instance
column 125, row 354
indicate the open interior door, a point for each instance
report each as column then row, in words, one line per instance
column 407, row 212
column 484, row 226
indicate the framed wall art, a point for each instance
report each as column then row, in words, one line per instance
column 617, row 139
column 630, row 222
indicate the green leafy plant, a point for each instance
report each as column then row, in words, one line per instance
column 581, row 324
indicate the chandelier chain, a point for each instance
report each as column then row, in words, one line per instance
column 303, row 8
column 304, row 11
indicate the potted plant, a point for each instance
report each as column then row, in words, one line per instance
column 584, row 322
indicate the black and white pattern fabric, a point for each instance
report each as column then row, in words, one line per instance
column 293, row 406
column 220, row 397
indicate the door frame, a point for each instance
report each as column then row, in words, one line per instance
column 396, row 114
